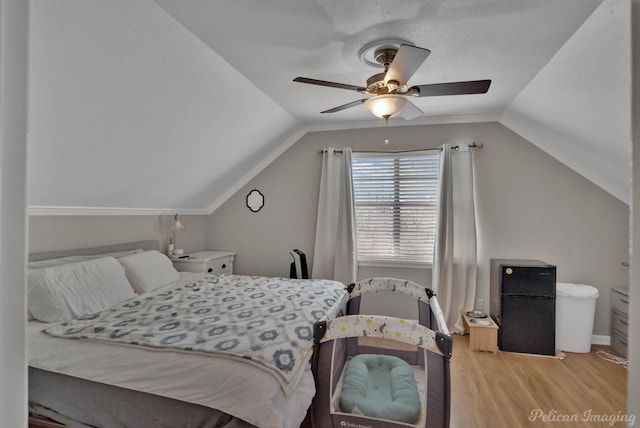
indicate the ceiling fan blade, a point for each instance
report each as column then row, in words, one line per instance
column 345, row 106
column 407, row 60
column 329, row 84
column 411, row 111
column 453, row 88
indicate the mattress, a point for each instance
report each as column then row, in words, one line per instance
column 243, row 391
column 91, row 404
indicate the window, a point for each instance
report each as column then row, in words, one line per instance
column 396, row 201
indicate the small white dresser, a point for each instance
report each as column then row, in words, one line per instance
column 620, row 319
column 205, row 262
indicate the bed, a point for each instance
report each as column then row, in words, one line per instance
column 176, row 349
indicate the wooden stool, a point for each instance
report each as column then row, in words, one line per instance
column 483, row 333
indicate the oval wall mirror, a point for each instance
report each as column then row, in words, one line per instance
column 255, row 200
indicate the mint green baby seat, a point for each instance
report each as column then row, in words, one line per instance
column 381, row 386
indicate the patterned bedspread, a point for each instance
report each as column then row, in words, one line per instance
column 265, row 321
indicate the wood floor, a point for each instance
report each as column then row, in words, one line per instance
column 513, row 390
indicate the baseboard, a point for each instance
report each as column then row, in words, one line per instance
column 598, row 339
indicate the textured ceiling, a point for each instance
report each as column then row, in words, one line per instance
column 270, row 43
column 154, row 106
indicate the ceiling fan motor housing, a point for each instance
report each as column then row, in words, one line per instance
column 375, row 84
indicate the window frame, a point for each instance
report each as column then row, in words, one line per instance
column 391, row 261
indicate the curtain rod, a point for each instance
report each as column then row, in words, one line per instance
column 470, row 146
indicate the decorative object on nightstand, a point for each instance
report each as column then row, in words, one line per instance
column 620, row 319
column 255, row 200
column 176, row 227
column 205, row 262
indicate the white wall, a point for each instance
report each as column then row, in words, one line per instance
column 13, row 126
column 528, row 205
column 633, row 381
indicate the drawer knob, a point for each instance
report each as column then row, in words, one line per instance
column 224, row 265
column 210, row 270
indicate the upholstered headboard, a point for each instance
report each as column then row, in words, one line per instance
column 145, row 245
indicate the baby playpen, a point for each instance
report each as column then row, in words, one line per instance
column 383, row 372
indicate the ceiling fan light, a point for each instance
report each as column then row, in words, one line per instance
column 385, row 106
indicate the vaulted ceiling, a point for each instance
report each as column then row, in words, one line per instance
column 157, row 106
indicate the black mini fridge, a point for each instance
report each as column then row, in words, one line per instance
column 523, row 305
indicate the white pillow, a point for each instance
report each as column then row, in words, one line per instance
column 60, row 293
column 149, row 270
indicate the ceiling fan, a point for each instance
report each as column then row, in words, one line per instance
column 389, row 88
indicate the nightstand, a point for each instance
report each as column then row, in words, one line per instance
column 205, row 262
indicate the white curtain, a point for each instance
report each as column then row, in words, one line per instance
column 334, row 256
column 455, row 260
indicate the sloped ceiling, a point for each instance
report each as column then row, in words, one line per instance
column 163, row 106
column 129, row 112
column 578, row 107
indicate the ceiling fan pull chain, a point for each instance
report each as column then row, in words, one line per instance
column 386, row 131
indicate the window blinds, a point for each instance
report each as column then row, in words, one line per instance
column 396, row 206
